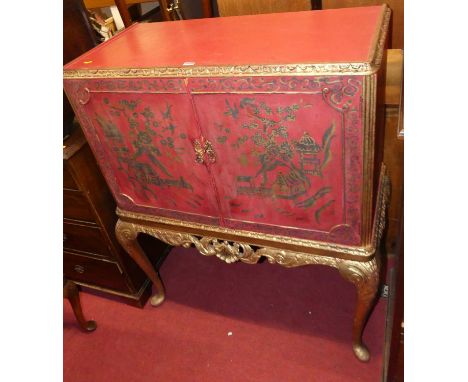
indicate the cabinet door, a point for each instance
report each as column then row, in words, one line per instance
column 288, row 153
column 142, row 132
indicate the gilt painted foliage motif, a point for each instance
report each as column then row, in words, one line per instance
column 280, row 155
column 149, row 138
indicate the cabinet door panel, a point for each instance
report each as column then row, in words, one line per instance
column 281, row 161
column 144, row 141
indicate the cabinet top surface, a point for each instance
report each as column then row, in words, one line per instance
column 349, row 35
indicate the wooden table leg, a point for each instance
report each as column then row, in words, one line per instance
column 207, row 8
column 365, row 277
column 124, row 13
column 127, row 236
column 71, row 293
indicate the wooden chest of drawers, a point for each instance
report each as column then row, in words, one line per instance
column 247, row 137
column 91, row 254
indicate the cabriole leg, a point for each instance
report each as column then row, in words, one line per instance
column 71, row 293
column 127, row 236
column 365, row 276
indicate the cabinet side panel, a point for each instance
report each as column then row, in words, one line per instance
column 142, row 133
column 288, row 153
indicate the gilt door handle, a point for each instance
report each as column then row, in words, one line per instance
column 199, row 151
column 209, row 151
column 202, row 148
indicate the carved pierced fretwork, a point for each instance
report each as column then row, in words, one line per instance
column 291, row 259
column 207, row 246
column 229, row 252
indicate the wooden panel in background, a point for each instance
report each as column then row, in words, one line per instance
column 397, row 7
column 196, row 9
column 91, row 4
column 395, row 365
column 394, row 77
column 393, row 143
column 78, row 37
column 236, row 7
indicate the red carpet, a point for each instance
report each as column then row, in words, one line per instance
column 286, row 324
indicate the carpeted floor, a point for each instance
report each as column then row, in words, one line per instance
column 222, row 322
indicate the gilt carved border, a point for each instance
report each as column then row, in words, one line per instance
column 231, row 252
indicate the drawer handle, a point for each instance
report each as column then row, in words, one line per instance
column 79, row 268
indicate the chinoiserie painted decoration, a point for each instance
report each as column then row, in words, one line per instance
column 286, row 162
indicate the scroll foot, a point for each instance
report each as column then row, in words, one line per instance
column 157, row 299
column 361, row 352
column 365, row 277
column 127, row 237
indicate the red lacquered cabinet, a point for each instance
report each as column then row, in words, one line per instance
column 246, row 137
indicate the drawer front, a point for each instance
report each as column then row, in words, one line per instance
column 85, row 238
column 68, row 181
column 77, row 207
column 88, row 270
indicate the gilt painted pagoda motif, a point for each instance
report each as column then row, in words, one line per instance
column 279, row 150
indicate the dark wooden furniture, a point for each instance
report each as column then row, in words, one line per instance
column 72, row 294
column 91, row 253
column 397, row 6
column 237, row 8
column 393, row 143
column 92, row 256
column 394, row 352
column 395, row 362
column 78, row 37
column 164, row 8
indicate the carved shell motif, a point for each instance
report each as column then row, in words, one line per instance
column 224, row 250
column 207, row 246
